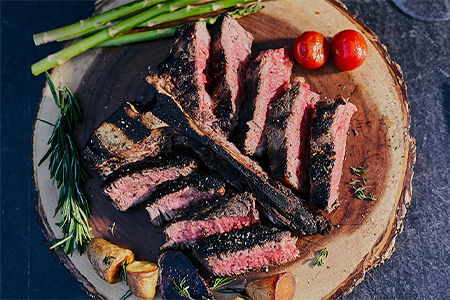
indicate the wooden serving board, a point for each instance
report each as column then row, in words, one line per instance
column 364, row 233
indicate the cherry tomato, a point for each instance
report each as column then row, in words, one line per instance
column 311, row 49
column 349, row 49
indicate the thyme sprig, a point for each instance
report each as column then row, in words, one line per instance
column 319, row 259
column 360, row 190
column 67, row 172
column 181, row 289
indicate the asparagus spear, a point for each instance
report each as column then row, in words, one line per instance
column 67, row 53
column 169, row 31
column 85, row 26
column 186, row 12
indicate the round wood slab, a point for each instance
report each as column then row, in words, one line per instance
column 364, row 233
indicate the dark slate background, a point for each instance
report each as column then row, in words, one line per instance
column 418, row 269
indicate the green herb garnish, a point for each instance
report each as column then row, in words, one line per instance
column 359, row 171
column 319, row 260
column 107, row 259
column 67, row 172
column 221, row 281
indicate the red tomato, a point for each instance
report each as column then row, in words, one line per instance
column 311, row 49
column 349, row 49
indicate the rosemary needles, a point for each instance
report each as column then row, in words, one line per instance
column 67, row 173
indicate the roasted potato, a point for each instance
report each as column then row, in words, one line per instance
column 142, row 279
column 107, row 259
column 276, row 287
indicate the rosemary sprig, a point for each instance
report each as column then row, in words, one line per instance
column 319, row 260
column 123, row 272
column 67, row 173
column 181, row 289
column 221, row 281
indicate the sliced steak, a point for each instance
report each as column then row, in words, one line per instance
column 131, row 185
column 177, row 272
column 127, row 136
column 278, row 202
column 169, row 198
column 288, row 134
column 267, row 79
column 210, row 217
column 183, row 73
column 231, row 53
column 251, row 248
column 328, row 138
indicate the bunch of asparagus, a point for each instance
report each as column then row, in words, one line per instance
column 111, row 28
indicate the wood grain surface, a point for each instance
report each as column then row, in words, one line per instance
column 364, row 231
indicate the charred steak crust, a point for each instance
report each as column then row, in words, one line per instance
column 202, row 181
column 230, row 57
column 126, row 136
column 174, row 268
column 288, row 135
column 284, row 208
column 214, row 216
column 237, row 240
column 132, row 184
column 250, row 248
column 182, row 71
column 237, row 206
column 267, row 79
column 323, row 155
column 157, row 163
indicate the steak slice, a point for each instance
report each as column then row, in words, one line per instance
column 210, row 217
column 288, row 134
column 183, row 71
column 131, row 185
column 171, row 197
column 250, row 248
column 127, row 136
column 231, row 53
column 328, row 138
column 278, row 202
column 267, row 79
column 177, row 272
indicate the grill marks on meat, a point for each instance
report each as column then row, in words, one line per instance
column 183, row 71
column 230, row 57
column 288, row 134
column 131, row 185
column 251, row 248
column 171, row 197
column 284, row 208
column 267, row 79
column 213, row 217
column 125, row 137
column 174, row 269
column 328, row 138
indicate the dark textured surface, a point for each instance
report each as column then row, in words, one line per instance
column 418, row 269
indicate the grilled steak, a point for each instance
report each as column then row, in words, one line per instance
column 230, row 55
column 328, row 138
column 267, row 80
column 177, row 272
column 211, row 217
column 127, row 136
column 288, row 134
column 183, row 71
column 169, row 198
column 278, row 202
column 131, row 185
column 251, row 248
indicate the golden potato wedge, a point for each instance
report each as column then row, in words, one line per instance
column 142, row 279
column 276, row 287
column 107, row 259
